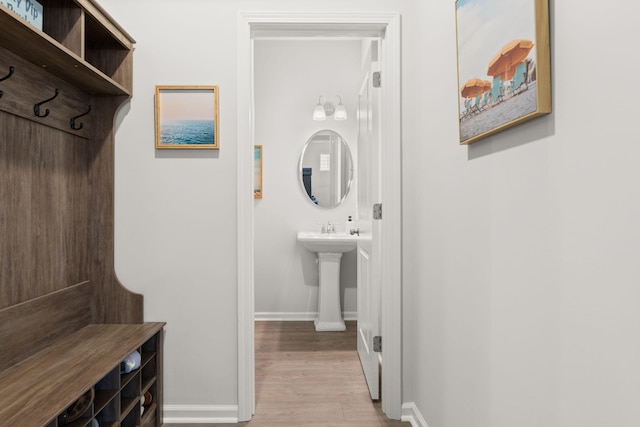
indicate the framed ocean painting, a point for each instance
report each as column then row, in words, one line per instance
column 257, row 171
column 504, row 75
column 187, row 117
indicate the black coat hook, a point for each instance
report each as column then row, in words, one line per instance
column 36, row 108
column 11, row 70
column 72, row 122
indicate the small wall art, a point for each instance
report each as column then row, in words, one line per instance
column 257, row 172
column 503, row 64
column 187, row 117
column 29, row 10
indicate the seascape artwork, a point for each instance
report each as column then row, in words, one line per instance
column 497, row 65
column 257, row 171
column 186, row 117
column 187, row 132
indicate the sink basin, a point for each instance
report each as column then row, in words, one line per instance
column 329, row 248
column 327, row 243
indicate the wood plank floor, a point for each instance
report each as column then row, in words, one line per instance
column 306, row 378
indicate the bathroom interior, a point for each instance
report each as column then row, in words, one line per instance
column 290, row 77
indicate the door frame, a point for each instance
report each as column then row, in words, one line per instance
column 310, row 24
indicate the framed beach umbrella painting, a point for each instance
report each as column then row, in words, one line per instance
column 187, row 117
column 503, row 64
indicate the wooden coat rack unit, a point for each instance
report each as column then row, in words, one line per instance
column 66, row 322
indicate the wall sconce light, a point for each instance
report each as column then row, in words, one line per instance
column 329, row 108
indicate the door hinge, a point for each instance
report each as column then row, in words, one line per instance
column 377, row 344
column 377, row 79
column 377, row 211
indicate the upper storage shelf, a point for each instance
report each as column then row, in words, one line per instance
column 79, row 43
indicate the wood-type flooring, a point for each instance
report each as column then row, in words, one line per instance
column 306, row 378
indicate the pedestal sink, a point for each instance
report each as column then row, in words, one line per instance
column 329, row 248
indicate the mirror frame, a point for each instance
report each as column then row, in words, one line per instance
column 351, row 168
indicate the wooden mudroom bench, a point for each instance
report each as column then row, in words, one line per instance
column 40, row 389
column 66, row 322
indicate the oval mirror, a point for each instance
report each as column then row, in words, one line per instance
column 326, row 169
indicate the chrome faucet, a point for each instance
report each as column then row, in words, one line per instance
column 354, row 231
column 328, row 228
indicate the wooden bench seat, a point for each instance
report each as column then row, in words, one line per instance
column 35, row 391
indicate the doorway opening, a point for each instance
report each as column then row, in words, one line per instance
column 387, row 27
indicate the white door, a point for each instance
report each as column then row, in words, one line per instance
column 369, row 301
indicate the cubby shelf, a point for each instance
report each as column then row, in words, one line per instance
column 87, row 358
column 149, row 415
column 127, row 406
column 86, row 69
column 103, row 397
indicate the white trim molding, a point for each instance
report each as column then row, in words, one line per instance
column 200, row 414
column 298, row 317
column 308, row 24
column 411, row 414
column 245, row 251
column 391, row 236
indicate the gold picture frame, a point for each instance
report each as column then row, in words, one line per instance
column 257, row 171
column 504, row 73
column 187, row 117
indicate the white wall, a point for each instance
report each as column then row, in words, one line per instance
column 521, row 251
column 175, row 210
column 290, row 75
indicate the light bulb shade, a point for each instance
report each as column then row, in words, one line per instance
column 329, row 108
column 318, row 113
column 340, row 113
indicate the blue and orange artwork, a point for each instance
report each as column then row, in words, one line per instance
column 496, row 64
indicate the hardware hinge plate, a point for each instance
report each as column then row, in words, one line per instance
column 377, row 211
column 377, row 344
column 377, row 79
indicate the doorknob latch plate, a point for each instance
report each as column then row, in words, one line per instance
column 377, row 344
column 377, row 79
column 377, row 211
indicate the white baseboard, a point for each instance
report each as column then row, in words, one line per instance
column 411, row 414
column 298, row 317
column 200, row 414
column 218, row 414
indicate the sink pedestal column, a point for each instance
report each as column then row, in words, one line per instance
column 329, row 311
